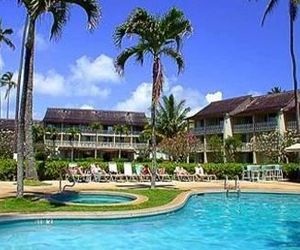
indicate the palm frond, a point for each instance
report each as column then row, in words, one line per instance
column 60, row 15
column 174, row 54
column 92, row 10
column 270, row 7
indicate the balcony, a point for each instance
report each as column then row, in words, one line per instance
column 243, row 128
column 198, row 131
column 214, row 129
column 291, row 125
column 265, row 126
column 93, row 145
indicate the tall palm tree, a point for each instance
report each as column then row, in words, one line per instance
column 275, row 90
column 59, row 9
column 4, row 33
column 7, row 81
column 293, row 10
column 96, row 127
column 157, row 36
column 171, row 116
column 73, row 135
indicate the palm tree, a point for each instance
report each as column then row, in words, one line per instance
column 59, row 9
column 73, row 134
column 4, row 33
column 7, row 81
column 120, row 130
column 53, row 135
column 275, row 90
column 157, row 36
column 171, row 116
column 96, row 127
column 293, row 10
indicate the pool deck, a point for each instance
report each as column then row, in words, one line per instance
column 190, row 188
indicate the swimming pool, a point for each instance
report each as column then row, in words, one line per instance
column 211, row 221
column 86, row 198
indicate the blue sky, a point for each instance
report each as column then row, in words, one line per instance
column 229, row 54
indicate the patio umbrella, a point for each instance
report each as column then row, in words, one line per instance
column 294, row 148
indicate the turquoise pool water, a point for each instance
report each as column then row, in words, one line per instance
column 91, row 198
column 212, row 221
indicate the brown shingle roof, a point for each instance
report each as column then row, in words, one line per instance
column 220, row 108
column 84, row 116
column 268, row 103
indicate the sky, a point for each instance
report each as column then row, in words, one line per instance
column 229, row 54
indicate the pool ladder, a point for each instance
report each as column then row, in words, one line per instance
column 69, row 185
column 229, row 188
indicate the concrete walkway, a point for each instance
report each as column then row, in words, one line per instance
column 8, row 189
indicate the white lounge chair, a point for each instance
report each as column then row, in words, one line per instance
column 128, row 172
column 114, row 173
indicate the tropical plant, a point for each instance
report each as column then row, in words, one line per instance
column 73, row 135
column 121, row 130
column 59, row 9
column 231, row 145
column 216, row 146
column 157, row 36
column 4, row 33
column 179, row 146
column 293, row 10
column 275, row 90
column 96, row 127
column 171, row 116
column 52, row 134
column 8, row 82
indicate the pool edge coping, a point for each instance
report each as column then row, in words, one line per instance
column 176, row 204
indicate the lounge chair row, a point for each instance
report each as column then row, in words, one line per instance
column 141, row 174
column 263, row 172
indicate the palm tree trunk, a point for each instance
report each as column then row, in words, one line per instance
column 28, row 60
column 7, row 108
column 294, row 69
column 0, row 104
column 30, row 172
column 156, row 66
column 19, row 83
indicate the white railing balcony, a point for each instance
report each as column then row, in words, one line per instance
column 243, row 128
column 291, row 125
column 246, row 147
column 98, row 145
column 265, row 126
column 198, row 131
column 214, row 129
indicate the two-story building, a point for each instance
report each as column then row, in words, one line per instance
column 105, row 142
column 247, row 116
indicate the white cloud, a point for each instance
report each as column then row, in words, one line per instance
column 83, row 79
column 52, row 84
column 213, row 97
column 40, row 42
column 139, row 100
column 87, row 106
column 100, row 69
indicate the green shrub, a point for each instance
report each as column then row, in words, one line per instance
column 8, row 169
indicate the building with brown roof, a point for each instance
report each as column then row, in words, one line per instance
column 246, row 116
column 106, row 142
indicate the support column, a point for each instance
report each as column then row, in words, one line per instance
column 253, row 141
column 281, row 122
column 227, row 127
column 204, row 150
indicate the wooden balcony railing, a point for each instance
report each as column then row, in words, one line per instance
column 265, row 126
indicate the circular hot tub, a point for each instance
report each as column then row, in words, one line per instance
column 93, row 198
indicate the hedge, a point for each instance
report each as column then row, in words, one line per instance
column 49, row 170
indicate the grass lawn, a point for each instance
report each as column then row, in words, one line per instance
column 35, row 183
column 157, row 197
